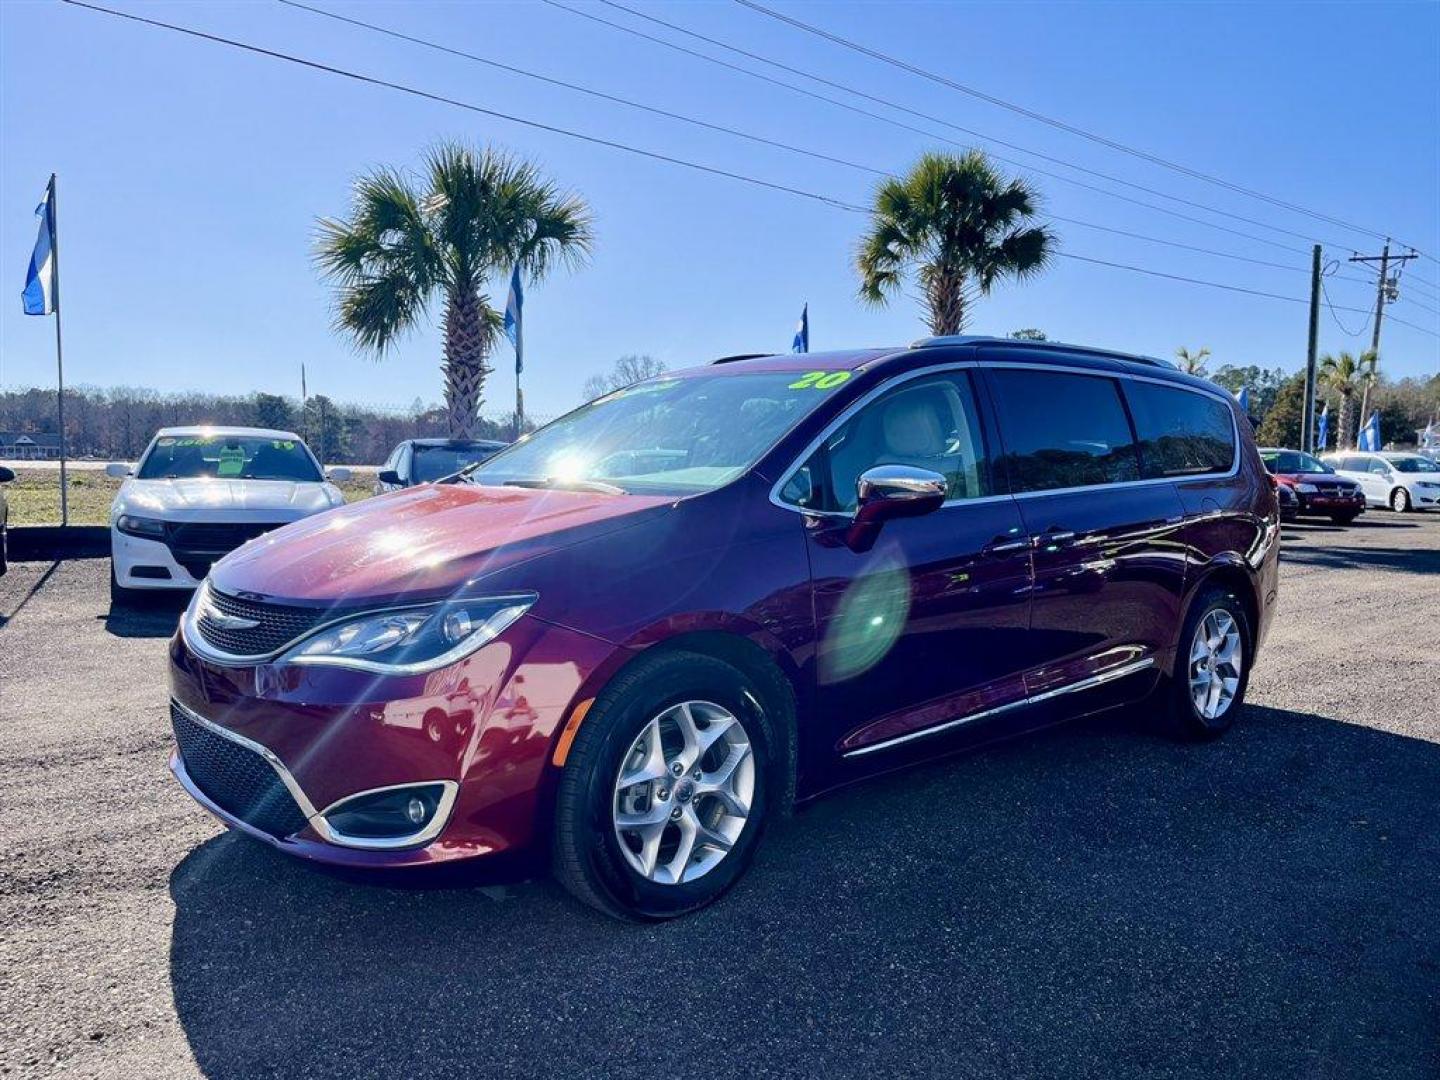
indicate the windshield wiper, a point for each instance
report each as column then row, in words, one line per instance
column 462, row 474
column 557, row 482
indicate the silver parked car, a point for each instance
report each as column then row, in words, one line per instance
column 1398, row 480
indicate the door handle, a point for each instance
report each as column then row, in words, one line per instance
column 1055, row 538
column 1003, row 545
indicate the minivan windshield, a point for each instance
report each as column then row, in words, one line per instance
column 665, row 436
column 1414, row 463
column 227, row 457
column 1292, row 461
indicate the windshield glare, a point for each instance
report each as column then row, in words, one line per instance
column 1293, row 461
column 433, row 462
column 666, row 436
column 1414, row 464
column 227, row 457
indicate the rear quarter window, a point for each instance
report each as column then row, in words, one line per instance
column 1180, row 432
column 1062, row 430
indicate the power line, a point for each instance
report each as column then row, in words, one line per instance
column 316, row 65
column 669, row 114
column 1061, row 125
column 415, row 92
column 934, row 119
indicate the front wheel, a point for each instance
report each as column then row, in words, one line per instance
column 1212, row 669
column 666, row 788
column 1400, row 500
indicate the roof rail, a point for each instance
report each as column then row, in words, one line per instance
column 741, row 356
column 971, row 339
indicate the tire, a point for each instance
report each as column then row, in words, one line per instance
column 1186, row 719
column 590, row 857
column 121, row 597
column 1400, row 500
column 4, row 548
column 1343, row 519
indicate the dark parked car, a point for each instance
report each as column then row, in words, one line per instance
column 6, row 476
column 627, row 642
column 423, row 461
column 1318, row 491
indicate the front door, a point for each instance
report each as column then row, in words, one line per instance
column 926, row 630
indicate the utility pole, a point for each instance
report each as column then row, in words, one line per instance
column 1386, row 292
column 1307, row 416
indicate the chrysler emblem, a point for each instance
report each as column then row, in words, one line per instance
column 220, row 621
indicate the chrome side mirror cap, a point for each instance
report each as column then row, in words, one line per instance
column 886, row 492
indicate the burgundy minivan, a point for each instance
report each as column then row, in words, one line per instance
column 632, row 638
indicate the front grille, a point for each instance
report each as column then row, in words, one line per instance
column 235, row 778
column 196, row 545
column 1332, row 488
column 276, row 624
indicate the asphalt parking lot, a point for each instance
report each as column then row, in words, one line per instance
column 1095, row 901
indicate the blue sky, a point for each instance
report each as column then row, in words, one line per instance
column 191, row 176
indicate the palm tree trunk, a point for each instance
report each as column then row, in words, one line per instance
column 1343, row 441
column 468, row 341
column 945, row 296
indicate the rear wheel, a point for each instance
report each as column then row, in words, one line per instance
column 1400, row 500
column 1212, row 669
column 666, row 788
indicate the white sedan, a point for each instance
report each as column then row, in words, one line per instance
column 1397, row 480
column 198, row 493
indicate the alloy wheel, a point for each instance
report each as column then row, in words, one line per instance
column 684, row 792
column 1215, row 662
column 1400, row 500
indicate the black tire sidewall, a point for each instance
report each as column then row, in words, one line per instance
column 1192, row 723
column 613, row 731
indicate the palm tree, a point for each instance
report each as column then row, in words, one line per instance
column 1343, row 374
column 961, row 226
column 478, row 213
column 1192, row 363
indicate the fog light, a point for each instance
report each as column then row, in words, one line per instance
column 393, row 814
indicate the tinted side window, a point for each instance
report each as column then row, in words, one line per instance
column 1062, row 430
column 1181, row 432
column 929, row 422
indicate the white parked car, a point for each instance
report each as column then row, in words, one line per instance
column 1397, row 480
column 198, row 493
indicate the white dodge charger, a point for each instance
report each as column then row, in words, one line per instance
column 198, row 493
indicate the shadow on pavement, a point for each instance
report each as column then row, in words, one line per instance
column 1092, row 901
column 146, row 617
column 6, row 616
column 1405, row 560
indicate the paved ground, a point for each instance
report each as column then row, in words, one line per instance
column 1092, row 902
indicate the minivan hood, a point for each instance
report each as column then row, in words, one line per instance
column 183, row 496
column 424, row 541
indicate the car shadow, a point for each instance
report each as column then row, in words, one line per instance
column 30, row 593
column 1265, row 905
column 147, row 616
column 1403, row 560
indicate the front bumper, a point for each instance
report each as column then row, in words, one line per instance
column 139, row 564
column 484, row 727
column 1329, row 504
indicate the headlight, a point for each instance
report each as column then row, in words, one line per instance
column 412, row 640
column 150, row 528
column 1306, row 489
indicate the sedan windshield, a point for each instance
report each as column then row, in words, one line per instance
column 1415, row 464
column 227, row 457
column 433, row 462
column 667, row 436
column 1293, row 461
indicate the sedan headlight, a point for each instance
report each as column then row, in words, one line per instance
column 412, row 640
column 1306, row 489
column 149, row 528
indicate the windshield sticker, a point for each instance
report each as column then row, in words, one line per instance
column 820, row 380
column 283, row 444
column 232, row 461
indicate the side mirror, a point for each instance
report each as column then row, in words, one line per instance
column 389, row 476
column 6, row 475
column 118, row 471
column 887, row 492
column 339, row 475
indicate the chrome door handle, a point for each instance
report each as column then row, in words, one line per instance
column 1000, row 546
column 1054, row 538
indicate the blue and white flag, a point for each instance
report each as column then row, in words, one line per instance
column 1243, row 397
column 1430, row 437
column 513, row 329
column 42, row 292
column 1370, row 435
column 802, row 332
column 1323, row 434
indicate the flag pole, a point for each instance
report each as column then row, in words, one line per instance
column 519, row 397
column 59, row 349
